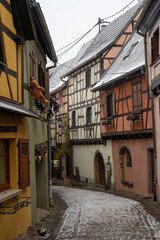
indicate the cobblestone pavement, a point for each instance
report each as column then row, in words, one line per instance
column 95, row 215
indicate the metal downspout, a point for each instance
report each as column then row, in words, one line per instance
column 153, row 125
column 50, row 162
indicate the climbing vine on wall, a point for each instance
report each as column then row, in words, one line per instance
column 65, row 148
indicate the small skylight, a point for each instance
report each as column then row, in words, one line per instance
column 130, row 50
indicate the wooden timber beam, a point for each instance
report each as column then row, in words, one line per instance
column 128, row 135
column 5, row 129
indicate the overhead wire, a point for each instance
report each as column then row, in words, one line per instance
column 81, row 37
column 119, row 10
column 70, row 43
column 60, row 55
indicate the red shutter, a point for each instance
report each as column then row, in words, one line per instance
column 24, row 173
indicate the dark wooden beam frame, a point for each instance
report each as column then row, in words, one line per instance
column 6, row 129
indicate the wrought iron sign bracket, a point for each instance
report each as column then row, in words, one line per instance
column 20, row 203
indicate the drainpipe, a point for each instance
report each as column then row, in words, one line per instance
column 50, row 162
column 154, row 154
column 49, row 159
column 153, row 125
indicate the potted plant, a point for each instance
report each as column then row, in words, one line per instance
column 40, row 153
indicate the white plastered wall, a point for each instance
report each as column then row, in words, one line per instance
column 84, row 156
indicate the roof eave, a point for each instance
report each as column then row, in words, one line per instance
column 44, row 32
column 79, row 66
column 23, row 19
column 148, row 16
column 117, row 79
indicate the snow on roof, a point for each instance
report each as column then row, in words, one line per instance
column 130, row 59
column 55, row 74
column 106, row 37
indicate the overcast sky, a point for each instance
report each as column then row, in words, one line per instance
column 69, row 19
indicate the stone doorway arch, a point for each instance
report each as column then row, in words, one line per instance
column 99, row 169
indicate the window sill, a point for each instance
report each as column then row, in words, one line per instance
column 8, row 194
column 137, row 112
column 110, row 117
column 73, row 130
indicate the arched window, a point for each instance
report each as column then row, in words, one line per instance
column 126, row 156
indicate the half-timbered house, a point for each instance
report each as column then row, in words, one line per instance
column 148, row 26
column 15, row 208
column 62, row 164
column 126, row 118
column 91, row 155
column 33, row 33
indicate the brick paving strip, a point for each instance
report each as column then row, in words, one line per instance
column 54, row 220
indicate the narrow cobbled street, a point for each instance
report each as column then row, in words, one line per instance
column 95, row 215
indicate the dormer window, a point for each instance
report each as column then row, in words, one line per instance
column 130, row 50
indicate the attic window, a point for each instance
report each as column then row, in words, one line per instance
column 130, row 50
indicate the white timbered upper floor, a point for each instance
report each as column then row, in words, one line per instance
column 84, row 105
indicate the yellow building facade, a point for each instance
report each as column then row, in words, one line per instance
column 15, row 208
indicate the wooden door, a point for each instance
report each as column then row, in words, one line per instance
column 101, row 172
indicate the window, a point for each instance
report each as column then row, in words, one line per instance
column 88, row 78
column 41, row 75
column 155, row 45
column 32, row 63
column 109, row 105
column 137, row 97
column 61, row 98
column 4, row 165
column 73, row 118
column 89, row 115
column 43, row 80
column 130, row 50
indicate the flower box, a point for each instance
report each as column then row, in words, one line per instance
column 133, row 117
column 106, row 122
